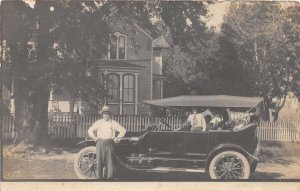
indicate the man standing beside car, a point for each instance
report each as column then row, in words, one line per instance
column 103, row 132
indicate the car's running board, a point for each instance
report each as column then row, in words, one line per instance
column 171, row 169
column 165, row 159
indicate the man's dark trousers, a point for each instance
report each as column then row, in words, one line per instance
column 105, row 151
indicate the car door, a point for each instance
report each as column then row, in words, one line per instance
column 159, row 142
column 178, row 143
column 196, row 143
column 169, row 143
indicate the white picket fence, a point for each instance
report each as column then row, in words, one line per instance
column 7, row 126
column 61, row 126
column 70, row 126
column 279, row 131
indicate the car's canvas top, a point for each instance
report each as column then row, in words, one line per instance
column 206, row 101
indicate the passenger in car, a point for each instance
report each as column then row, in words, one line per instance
column 207, row 113
column 215, row 121
column 197, row 120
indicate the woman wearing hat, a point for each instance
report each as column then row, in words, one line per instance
column 103, row 132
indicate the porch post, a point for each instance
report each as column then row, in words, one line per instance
column 121, row 94
column 161, row 88
column 136, row 94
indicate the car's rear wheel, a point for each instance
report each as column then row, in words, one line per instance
column 229, row 165
column 85, row 164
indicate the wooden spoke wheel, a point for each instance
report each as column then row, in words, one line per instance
column 229, row 165
column 85, row 164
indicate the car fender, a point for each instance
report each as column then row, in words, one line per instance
column 86, row 143
column 228, row 146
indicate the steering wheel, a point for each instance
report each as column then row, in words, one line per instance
column 186, row 126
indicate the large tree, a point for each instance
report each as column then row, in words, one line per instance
column 192, row 72
column 258, row 47
column 293, row 14
column 190, row 60
column 50, row 45
column 16, row 17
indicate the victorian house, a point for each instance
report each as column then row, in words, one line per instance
column 132, row 68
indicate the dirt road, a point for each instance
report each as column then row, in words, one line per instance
column 274, row 165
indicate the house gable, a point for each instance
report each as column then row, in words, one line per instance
column 138, row 42
column 130, row 78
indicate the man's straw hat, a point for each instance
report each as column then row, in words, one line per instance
column 105, row 109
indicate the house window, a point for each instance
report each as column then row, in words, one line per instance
column 117, row 46
column 121, row 47
column 113, row 86
column 113, row 47
column 128, row 88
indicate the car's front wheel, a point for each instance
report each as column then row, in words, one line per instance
column 85, row 164
column 229, row 165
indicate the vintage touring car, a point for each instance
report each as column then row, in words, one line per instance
column 226, row 152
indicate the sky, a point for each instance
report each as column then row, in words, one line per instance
column 217, row 10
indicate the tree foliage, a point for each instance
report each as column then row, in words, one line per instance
column 190, row 60
column 258, row 46
column 293, row 14
column 191, row 73
column 50, row 46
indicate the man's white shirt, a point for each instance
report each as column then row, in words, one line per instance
column 106, row 129
column 197, row 120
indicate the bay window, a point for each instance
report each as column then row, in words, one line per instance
column 113, row 87
column 128, row 88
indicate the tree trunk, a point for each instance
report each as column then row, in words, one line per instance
column 31, row 103
column 279, row 107
column 42, row 90
column 42, row 116
column 24, row 115
column 31, row 86
column 23, row 119
column 23, row 107
column 31, row 118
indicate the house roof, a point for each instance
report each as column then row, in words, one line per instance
column 207, row 101
column 149, row 28
column 160, row 42
column 115, row 28
column 158, row 39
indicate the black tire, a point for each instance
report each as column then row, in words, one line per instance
column 85, row 165
column 229, row 165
